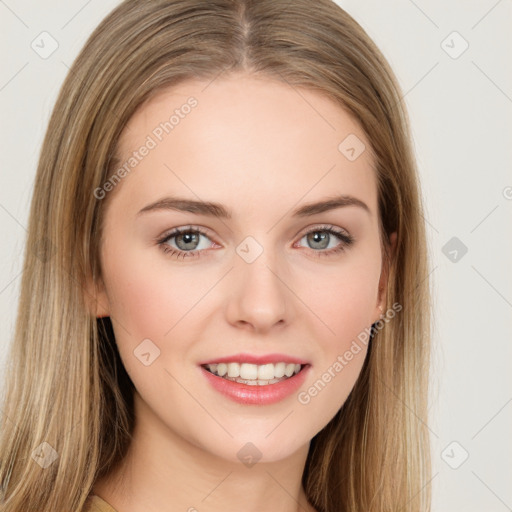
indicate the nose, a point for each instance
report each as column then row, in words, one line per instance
column 258, row 296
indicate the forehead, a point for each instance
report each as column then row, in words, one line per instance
column 242, row 137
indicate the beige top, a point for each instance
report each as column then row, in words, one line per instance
column 96, row 504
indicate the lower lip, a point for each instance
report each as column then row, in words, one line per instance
column 256, row 395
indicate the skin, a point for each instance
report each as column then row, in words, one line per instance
column 261, row 149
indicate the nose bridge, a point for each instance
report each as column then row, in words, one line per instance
column 259, row 294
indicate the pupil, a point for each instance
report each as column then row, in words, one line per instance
column 187, row 238
column 320, row 238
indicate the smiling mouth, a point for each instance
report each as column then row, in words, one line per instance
column 253, row 374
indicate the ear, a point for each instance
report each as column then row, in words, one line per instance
column 383, row 281
column 96, row 298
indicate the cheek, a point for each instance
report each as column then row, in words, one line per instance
column 147, row 299
column 154, row 302
column 343, row 298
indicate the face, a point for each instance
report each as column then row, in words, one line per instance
column 256, row 274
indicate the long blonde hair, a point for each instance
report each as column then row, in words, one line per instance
column 66, row 388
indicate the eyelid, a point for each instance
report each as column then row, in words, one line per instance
column 322, row 227
column 207, row 232
column 184, row 229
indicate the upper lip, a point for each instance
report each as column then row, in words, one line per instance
column 256, row 359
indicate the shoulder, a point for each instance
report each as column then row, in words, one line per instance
column 96, row 504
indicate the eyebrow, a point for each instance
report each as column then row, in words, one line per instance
column 217, row 210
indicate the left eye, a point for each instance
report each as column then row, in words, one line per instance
column 321, row 238
column 325, row 238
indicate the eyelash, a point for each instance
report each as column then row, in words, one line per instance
column 346, row 241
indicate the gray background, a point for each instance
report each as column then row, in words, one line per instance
column 460, row 107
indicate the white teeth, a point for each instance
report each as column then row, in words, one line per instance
column 248, row 371
column 265, row 372
column 255, row 382
column 253, row 374
column 279, row 370
column 233, row 370
column 290, row 369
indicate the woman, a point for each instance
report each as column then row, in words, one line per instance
column 225, row 300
